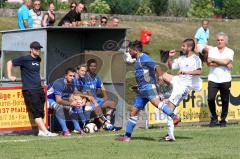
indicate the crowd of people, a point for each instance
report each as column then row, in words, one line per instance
column 36, row 18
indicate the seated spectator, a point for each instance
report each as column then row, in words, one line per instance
column 36, row 14
column 73, row 16
column 103, row 21
column 115, row 22
column 84, row 23
column 94, row 82
column 67, row 24
column 49, row 18
column 93, row 21
column 24, row 18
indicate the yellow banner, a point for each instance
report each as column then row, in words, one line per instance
column 13, row 112
column 194, row 107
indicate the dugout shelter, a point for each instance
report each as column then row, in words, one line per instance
column 67, row 47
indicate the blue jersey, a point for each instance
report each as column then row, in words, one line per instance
column 145, row 71
column 93, row 83
column 61, row 88
column 81, row 84
column 30, row 71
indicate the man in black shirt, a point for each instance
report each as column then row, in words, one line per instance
column 73, row 16
column 32, row 90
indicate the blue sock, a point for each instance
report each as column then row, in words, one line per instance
column 167, row 110
column 130, row 125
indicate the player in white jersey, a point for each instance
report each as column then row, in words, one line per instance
column 188, row 78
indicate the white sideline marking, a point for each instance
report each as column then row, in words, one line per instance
column 60, row 137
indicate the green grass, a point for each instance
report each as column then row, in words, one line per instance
column 192, row 142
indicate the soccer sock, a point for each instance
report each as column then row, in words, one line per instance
column 130, row 125
column 165, row 108
column 170, row 126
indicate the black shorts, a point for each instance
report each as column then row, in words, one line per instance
column 34, row 100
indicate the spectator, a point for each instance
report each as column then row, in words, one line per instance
column 103, row 21
column 32, row 90
column 93, row 20
column 58, row 97
column 73, row 6
column 49, row 18
column 202, row 36
column 219, row 78
column 36, row 14
column 73, row 16
column 94, row 82
column 24, row 18
column 115, row 22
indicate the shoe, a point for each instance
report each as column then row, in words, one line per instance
column 169, row 138
column 213, row 122
column 48, row 134
column 176, row 120
column 81, row 132
column 223, row 123
column 67, row 133
column 108, row 127
column 123, row 139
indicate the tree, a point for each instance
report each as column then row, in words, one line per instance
column 201, row 8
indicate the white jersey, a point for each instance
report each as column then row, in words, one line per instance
column 191, row 63
column 37, row 19
column 220, row 74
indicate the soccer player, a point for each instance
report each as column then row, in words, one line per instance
column 190, row 69
column 83, row 84
column 145, row 72
column 94, row 82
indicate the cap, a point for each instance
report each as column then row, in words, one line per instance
column 35, row 45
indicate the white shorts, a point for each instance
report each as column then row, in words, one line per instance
column 179, row 91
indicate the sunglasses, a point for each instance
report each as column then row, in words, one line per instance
column 104, row 22
column 37, row 4
column 73, row 6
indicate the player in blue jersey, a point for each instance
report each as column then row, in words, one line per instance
column 83, row 85
column 146, row 71
column 94, row 82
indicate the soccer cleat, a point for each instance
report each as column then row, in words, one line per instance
column 67, row 133
column 48, row 134
column 108, row 126
column 176, row 120
column 164, row 55
column 169, row 138
column 123, row 139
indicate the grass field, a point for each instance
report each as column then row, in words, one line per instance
column 192, row 142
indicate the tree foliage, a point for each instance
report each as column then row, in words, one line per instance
column 201, row 8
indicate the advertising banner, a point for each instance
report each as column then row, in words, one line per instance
column 13, row 112
column 194, row 107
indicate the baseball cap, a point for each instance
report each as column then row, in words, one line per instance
column 35, row 45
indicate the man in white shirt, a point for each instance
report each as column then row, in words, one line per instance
column 219, row 78
column 188, row 79
column 36, row 14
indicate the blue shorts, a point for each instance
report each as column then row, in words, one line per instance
column 146, row 93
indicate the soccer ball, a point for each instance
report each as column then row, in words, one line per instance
column 91, row 128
